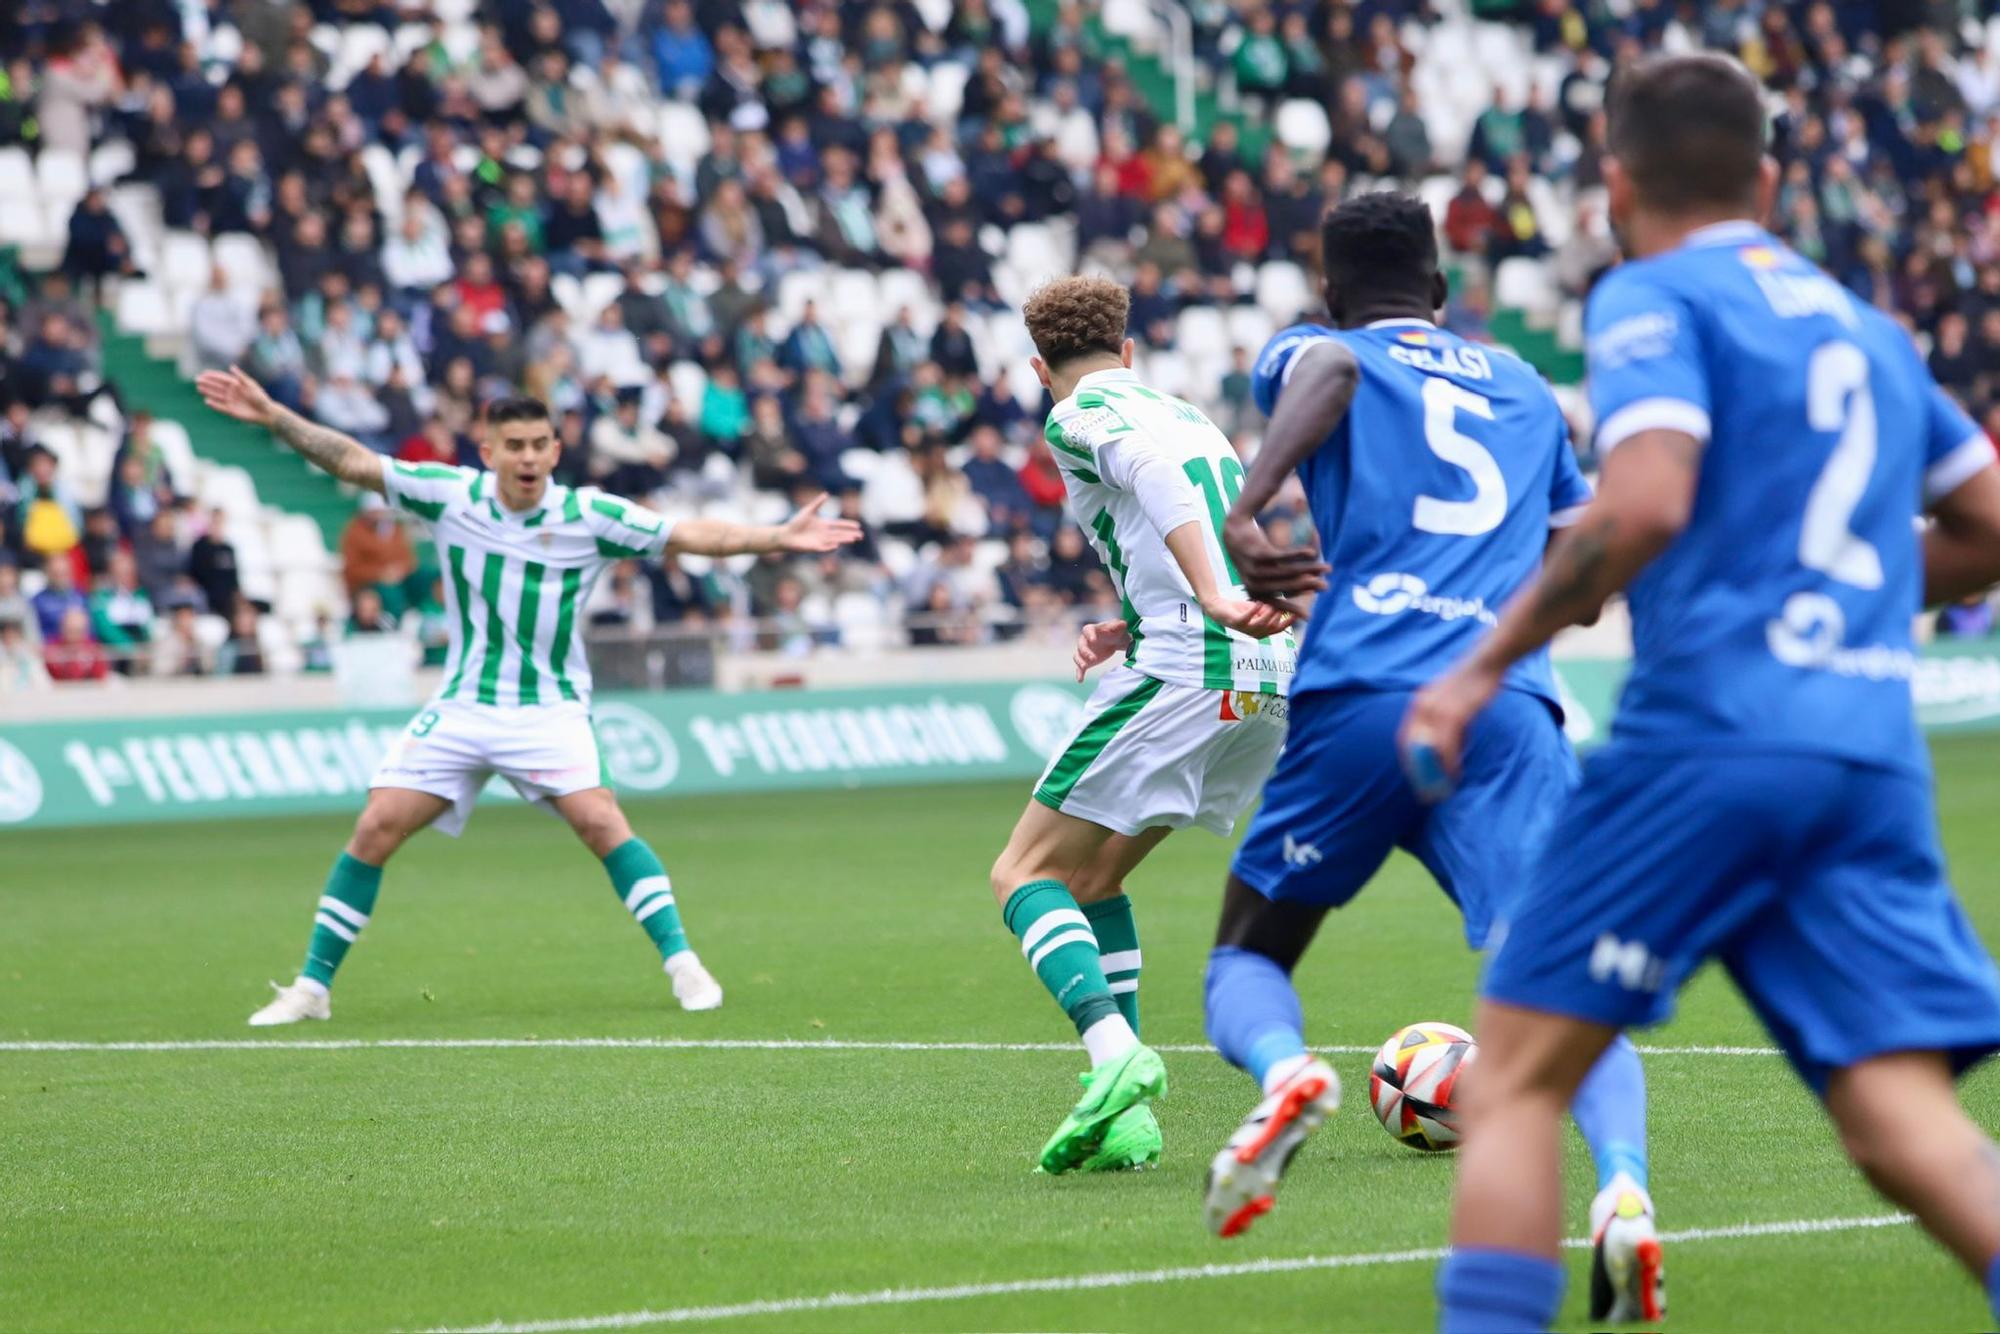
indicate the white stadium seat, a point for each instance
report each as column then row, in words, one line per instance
column 185, row 261
column 1283, row 291
column 1250, row 327
column 296, row 544
column 1302, row 126
column 112, row 162
column 17, row 175
column 683, row 133
column 947, row 95
column 143, row 309
column 242, row 258
column 23, row 223
column 61, row 176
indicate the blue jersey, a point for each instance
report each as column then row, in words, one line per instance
column 1780, row 619
column 1433, row 500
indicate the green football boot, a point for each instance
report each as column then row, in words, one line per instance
column 1132, row 1080
column 1131, row 1142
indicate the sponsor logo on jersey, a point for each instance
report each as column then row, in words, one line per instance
column 1810, row 633
column 1239, row 705
column 1634, row 338
column 20, row 786
column 1395, row 593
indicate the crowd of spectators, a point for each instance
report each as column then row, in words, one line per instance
column 532, row 160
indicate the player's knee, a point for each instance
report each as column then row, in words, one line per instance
column 377, row 835
column 1006, row 876
column 602, row 827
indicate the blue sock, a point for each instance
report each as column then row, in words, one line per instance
column 1497, row 1292
column 1254, row 1018
column 1993, row 1286
column 1610, row 1110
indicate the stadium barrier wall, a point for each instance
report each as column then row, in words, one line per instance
column 97, row 771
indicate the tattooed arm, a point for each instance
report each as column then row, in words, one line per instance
column 235, row 394
column 1645, row 495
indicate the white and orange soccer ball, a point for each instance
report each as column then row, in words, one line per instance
column 1415, row 1082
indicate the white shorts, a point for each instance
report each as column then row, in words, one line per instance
column 1150, row 755
column 452, row 747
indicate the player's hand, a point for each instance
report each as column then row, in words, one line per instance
column 1431, row 740
column 807, row 532
column 234, row 394
column 1259, row 620
column 1098, row 642
column 1272, row 575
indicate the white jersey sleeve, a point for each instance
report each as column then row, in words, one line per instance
column 625, row 531
column 1133, row 463
column 425, row 489
column 1138, row 464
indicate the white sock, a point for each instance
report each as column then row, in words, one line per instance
column 312, row 984
column 1108, row 1039
column 680, row 959
column 1275, row 1077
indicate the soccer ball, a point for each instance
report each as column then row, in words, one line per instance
column 1414, row 1083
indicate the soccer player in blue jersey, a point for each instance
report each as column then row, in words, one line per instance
column 1436, row 471
column 1765, row 797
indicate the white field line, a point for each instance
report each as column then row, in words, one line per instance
column 686, row 1044
column 1130, row 1278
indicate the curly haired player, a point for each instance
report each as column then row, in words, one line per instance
column 1181, row 732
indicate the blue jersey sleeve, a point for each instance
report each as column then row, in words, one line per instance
column 1954, row 448
column 1274, row 363
column 1645, row 364
column 1569, row 490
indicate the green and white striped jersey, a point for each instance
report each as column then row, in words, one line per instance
column 515, row 584
column 1097, row 435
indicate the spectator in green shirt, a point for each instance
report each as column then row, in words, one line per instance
column 521, row 205
column 121, row 613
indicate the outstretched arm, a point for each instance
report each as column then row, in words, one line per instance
column 804, row 532
column 1318, row 390
column 1645, row 495
column 234, row 394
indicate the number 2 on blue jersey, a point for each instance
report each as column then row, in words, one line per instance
column 1838, row 399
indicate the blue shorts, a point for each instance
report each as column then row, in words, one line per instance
column 1818, row 883
column 1338, row 802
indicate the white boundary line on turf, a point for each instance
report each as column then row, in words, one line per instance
column 841, row 1301
column 684, row 1044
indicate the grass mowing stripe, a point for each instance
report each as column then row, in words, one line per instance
column 1130, row 1278
column 695, row 1045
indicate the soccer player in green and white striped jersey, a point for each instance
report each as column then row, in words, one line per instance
column 1182, row 732
column 520, row 555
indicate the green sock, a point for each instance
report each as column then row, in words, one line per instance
column 1118, row 951
column 351, row 887
column 1058, row 943
column 640, row 880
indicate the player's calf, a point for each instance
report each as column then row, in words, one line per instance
column 1901, row 1122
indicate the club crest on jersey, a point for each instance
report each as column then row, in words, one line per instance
column 1240, row 704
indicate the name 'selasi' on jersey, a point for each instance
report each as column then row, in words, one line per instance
column 1446, row 359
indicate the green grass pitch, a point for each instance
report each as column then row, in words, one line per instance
column 378, row 1187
